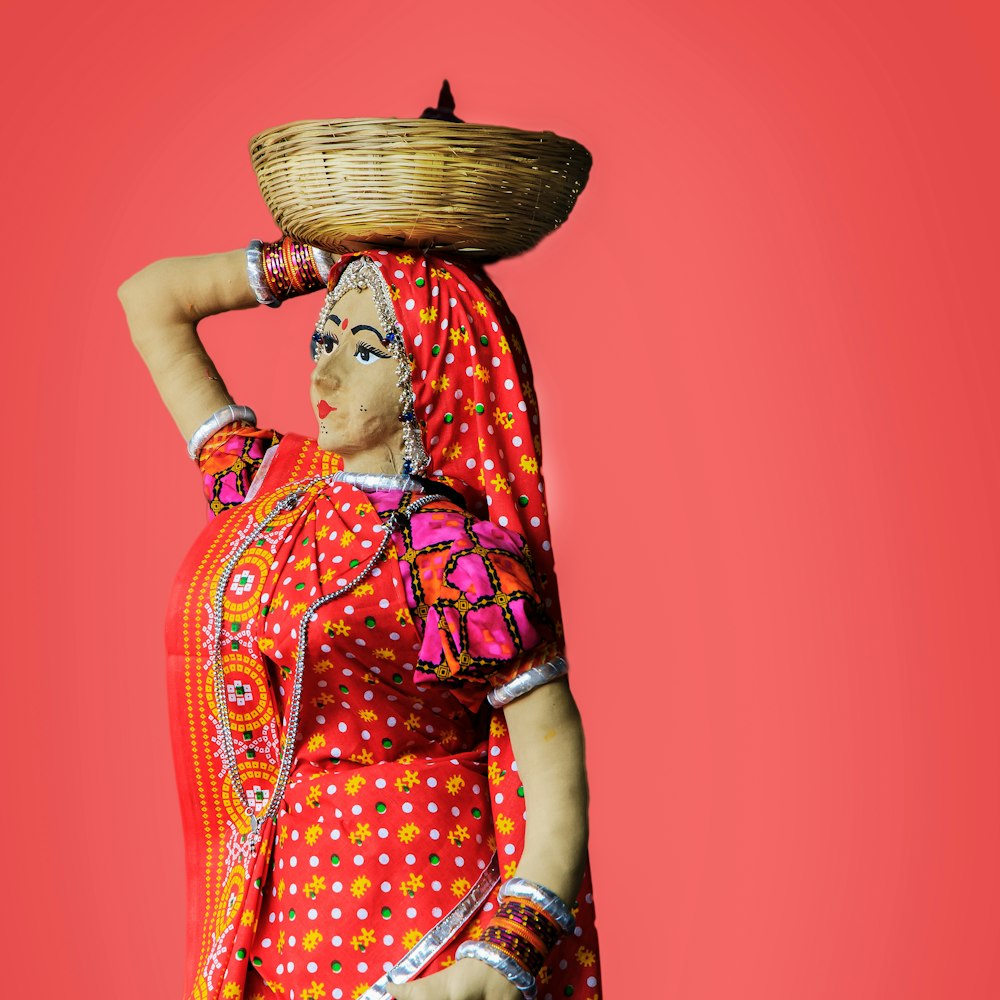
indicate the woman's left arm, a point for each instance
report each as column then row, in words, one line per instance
column 547, row 739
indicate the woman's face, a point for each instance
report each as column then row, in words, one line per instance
column 353, row 389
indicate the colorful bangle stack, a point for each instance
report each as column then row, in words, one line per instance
column 529, row 921
column 279, row 270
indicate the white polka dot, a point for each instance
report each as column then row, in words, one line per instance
column 383, row 859
column 508, row 383
column 488, row 463
column 509, row 849
column 502, row 520
column 498, row 798
column 337, row 887
column 432, row 807
column 470, row 463
column 407, row 807
column 546, row 545
column 496, row 362
column 463, row 427
column 453, row 303
column 356, row 810
column 383, row 832
column 434, row 834
column 436, row 912
column 359, row 860
column 409, row 303
column 362, row 914
column 397, row 274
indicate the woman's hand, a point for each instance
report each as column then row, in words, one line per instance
column 468, row 979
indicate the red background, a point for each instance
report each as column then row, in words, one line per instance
column 766, row 346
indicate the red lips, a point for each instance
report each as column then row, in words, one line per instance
column 324, row 408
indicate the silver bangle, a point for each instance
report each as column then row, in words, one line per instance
column 255, row 275
column 504, row 964
column 527, row 681
column 545, row 899
column 221, row 418
column 324, row 263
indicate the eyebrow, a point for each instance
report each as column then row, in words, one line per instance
column 334, row 318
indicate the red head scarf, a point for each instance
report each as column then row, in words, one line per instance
column 469, row 405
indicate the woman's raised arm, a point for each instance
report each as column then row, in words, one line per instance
column 163, row 304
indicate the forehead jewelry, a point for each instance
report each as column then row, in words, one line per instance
column 364, row 273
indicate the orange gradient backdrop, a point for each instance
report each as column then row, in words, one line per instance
column 767, row 358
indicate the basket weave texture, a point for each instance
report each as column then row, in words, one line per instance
column 482, row 191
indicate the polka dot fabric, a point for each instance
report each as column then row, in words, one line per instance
column 404, row 787
column 473, row 394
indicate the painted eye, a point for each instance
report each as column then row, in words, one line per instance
column 367, row 355
column 322, row 343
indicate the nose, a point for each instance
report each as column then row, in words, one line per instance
column 326, row 374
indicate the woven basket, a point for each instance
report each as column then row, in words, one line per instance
column 482, row 191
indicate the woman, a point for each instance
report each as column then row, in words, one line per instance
column 367, row 682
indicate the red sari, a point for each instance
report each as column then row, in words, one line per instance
column 403, row 812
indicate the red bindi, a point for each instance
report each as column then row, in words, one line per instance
column 343, row 325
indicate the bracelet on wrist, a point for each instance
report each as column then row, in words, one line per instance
column 504, row 964
column 528, row 922
column 543, row 898
column 277, row 271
